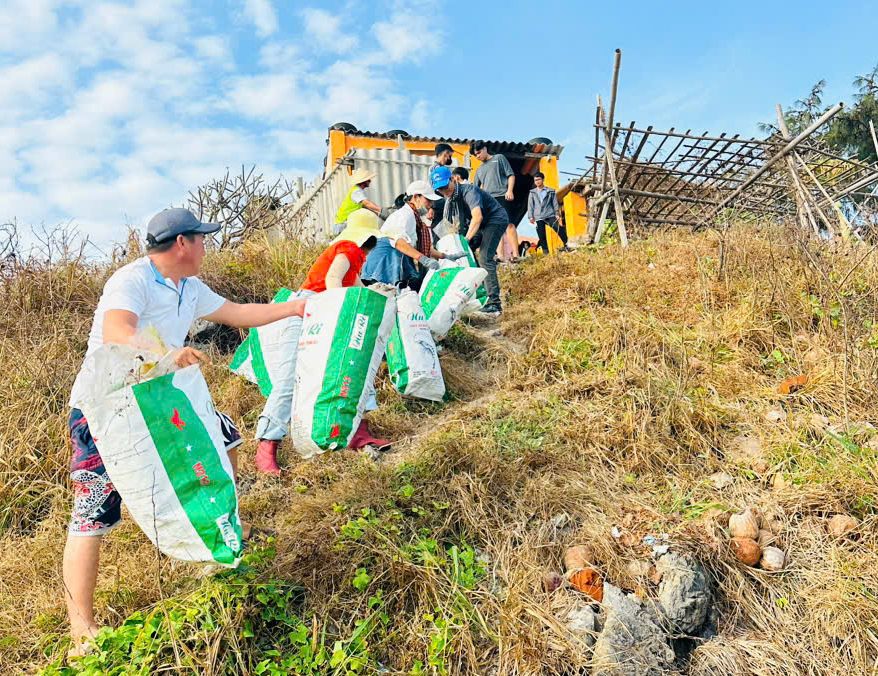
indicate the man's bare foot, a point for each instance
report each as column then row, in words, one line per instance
column 83, row 642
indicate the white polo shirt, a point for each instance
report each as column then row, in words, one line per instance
column 158, row 303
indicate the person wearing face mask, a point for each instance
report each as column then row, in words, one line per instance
column 405, row 247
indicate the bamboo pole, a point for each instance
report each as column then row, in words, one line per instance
column 791, row 166
column 609, row 121
column 608, row 154
column 828, row 115
column 601, row 223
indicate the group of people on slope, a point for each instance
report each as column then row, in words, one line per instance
column 162, row 291
column 482, row 211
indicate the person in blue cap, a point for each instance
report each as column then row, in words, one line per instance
column 160, row 291
column 481, row 219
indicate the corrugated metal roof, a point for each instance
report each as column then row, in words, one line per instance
column 493, row 146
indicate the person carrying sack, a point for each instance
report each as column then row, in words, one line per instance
column 405, row 248
column 356, row 199
column 340, row 265
column 159, row 291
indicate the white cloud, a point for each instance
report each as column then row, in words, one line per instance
column 327, row 30
column 263, row 16
column 140, row 101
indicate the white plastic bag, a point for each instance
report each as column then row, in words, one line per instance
column 445, row 293
column 411, row 352
column 160, row 440
column 344, row 336
column 453, row 244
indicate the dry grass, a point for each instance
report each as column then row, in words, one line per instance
column 615, row 391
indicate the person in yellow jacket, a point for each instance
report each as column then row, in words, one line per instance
column 356, row 199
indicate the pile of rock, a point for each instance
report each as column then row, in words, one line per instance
column 636, row 637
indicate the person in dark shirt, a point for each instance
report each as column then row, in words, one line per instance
column 481, row 220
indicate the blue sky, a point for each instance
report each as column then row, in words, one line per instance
column 114, row 110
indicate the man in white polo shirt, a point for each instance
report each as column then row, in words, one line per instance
column 158, row 291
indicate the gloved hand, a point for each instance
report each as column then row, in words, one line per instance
column 455, row 256
column 429, row 263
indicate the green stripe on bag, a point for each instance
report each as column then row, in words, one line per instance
column 436, row 288
column 397, row 363
column 192, row 465
column 241, row 353
column 350, row 355
column 258, row 363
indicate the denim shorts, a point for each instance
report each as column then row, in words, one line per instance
column 97, row 505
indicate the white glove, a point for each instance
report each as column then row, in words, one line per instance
column 429, row 263
column 455, row 256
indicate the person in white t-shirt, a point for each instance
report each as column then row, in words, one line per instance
column 159, row 291
column 406, row 242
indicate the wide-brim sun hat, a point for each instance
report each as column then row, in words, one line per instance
column 421, row 188
column 361, row 225
column 361, row 176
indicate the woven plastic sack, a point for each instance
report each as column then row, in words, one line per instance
column 344, row 336
column 411, row 352
column 161, row 444
column 455, row 243
column 445, row 293
column 259, row 357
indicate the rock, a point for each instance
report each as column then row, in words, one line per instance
column 721, row 480
column 632, row 642
column 773, row 559
column 841, row 524
column 776, row 415
column 747, row 551
column 711, row 624
column 651, row 266
column 639, row 568
column 582, row 621
column 872, row 444
column 684, row 594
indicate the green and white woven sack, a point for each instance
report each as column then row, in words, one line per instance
column 163, row 450
column 258, row 357
column 411, row 352
column 444, row 294
column 452, row 244
column 344, row 336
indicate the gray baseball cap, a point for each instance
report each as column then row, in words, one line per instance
column 167, row 224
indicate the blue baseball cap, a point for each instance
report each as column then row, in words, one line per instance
column 440, row 177
column 167, row 224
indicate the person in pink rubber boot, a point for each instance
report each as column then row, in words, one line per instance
column 338, row 266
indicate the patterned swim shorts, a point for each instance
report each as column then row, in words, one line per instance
column 97, row 506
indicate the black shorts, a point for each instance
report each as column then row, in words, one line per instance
column 508, row 206
column 97, row 505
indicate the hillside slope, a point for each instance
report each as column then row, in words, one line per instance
column 615, row 386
